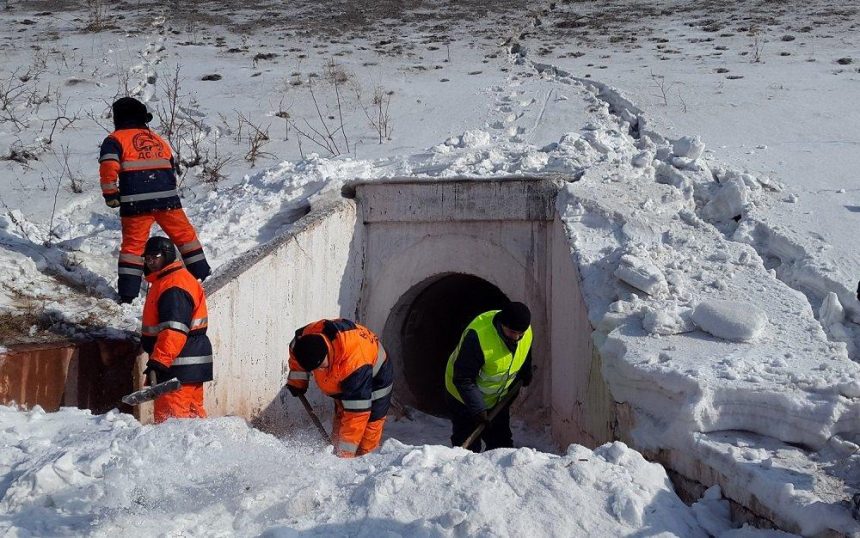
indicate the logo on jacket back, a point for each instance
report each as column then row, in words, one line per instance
column 147, row 146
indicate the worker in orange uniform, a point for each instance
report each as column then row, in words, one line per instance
column 350, row 365
column 174, row 331
column 137, row 173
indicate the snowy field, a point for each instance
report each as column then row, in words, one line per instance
column 716, row 152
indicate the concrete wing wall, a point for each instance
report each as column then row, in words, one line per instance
column 583, row 410
column 256, row 304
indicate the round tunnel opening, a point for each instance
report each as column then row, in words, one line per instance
column 432, row 324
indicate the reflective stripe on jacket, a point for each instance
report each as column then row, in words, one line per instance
column 501, row 365
column 174, row 324
column 359, row 376
column 137, row 164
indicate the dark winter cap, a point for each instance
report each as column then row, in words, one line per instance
column 310, row 350
column 128, row 112
column 160, row 245
column 515, row 316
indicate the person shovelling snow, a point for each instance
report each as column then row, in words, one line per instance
column 174, row 332
column 137, row 174
column 350, row 365
column 494, row 352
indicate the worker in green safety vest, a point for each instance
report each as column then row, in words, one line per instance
column 494, row 351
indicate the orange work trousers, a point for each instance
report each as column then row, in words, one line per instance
column 174, row 222
column 187, row 402
column 370, row 439
column 135, row 233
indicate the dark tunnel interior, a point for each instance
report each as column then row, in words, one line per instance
column 431, row 330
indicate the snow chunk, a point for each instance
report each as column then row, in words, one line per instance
column 641, row 274
column 730, row 320
column 666, row 321
column 642, row 159
column 713, row 513
column 667, row 175
column 728, row 202
column 688, row 147
column 534, row 160
column 831, row 311
column 474, row 138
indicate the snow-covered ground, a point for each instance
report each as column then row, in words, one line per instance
column 770, row 88
column 712, row 222
column 72, row 474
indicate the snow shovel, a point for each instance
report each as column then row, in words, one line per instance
column 314, row 418
column 515, row 389
column 152, row 392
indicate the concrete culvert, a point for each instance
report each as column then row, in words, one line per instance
column 425, row 326
column 414, row 260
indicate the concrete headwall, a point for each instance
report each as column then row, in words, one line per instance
column 255, row 305
column 505, row 232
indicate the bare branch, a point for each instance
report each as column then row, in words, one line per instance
column 257, row 138
column 61, row 117
column 329, row 134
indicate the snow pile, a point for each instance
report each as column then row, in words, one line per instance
column 763, row 365
column 69, row 473
column 793, row 384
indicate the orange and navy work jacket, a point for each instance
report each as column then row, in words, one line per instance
column 359, row 377
column 136, row 167
column 174, row 325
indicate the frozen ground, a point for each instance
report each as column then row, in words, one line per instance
column 670, row 231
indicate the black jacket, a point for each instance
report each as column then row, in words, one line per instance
column 468, row 364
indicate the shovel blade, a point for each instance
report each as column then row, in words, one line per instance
column 147, row 394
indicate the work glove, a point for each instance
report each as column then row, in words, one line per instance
column 112, row 200
column 162, row 373
column 296, row 391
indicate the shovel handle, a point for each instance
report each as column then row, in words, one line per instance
column 512, row 392
column 314, row 418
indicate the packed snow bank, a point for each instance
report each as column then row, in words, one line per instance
column 639, row 224
column 653, row 238
column 70, row 473
column 767, row 366
column 778, row 477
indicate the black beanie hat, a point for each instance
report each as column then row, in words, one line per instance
column 515, row 316
column 160, row 245
column 310, row 350
column 129, row 112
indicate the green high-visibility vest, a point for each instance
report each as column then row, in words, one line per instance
column 500, row 365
